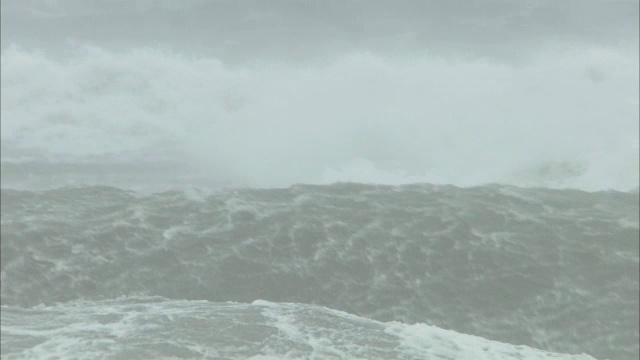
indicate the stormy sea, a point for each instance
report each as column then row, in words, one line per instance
column 317, row 180
column 341, row 271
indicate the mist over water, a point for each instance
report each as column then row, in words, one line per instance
column 540, row 114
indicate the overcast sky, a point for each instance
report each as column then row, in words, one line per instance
column 301, row 30
column 270, row 93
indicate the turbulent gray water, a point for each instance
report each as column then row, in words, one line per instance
column 117, row 273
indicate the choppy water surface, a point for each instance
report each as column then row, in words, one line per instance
column 339, row 271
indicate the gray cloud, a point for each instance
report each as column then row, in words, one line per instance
column 595, row 74
column 304, row 30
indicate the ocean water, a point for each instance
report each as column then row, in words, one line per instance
column 150, row 151
column 342, row 271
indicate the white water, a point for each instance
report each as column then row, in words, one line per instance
column 157, row 328
column 358, row 117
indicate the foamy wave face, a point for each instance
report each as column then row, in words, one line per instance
column 139, row 327
column 569, row 119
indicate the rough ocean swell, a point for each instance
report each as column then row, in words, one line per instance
column 337, row 271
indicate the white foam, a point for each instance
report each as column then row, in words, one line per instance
column 360, row 117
